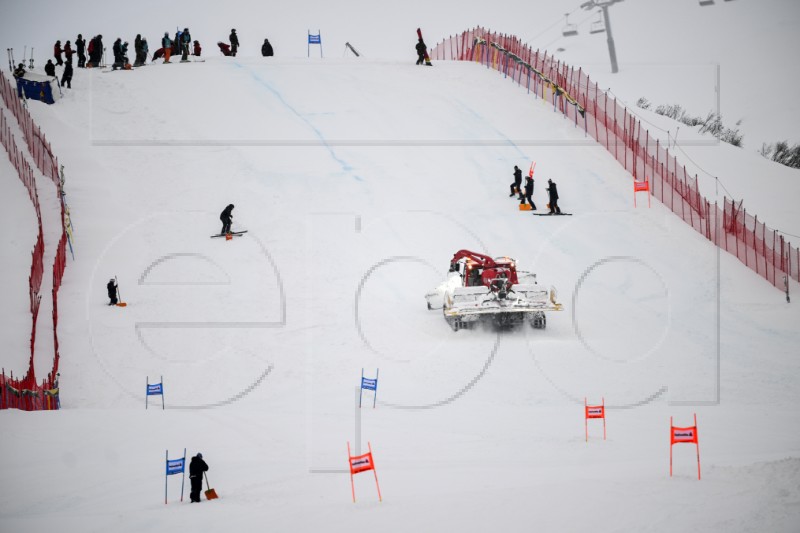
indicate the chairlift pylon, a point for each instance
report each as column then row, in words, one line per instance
column 598, row 26
column 570, row 30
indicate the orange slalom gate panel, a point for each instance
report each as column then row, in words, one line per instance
column 684, row 435
column 592, row 412
column 641, row 186
column 362, row 463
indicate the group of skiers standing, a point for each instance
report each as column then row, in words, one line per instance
column 552, row 191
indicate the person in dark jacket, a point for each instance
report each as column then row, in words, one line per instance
column 552, row 192
column 68, row 52
column 50, row 68
column 266, row 49
column 515, row 187
column 80, row 47
column 197, row 49
column 111, row 287
column 186, row 40
column 19, row 72
column 421, row 48
column 196, row 468
column 96, row 51
column 57, row 53
column 226, row 217
column 137, row 50
column 119, row 57
column 529, row 192
column 234, row 42
column 145, row 49
column 66, row 77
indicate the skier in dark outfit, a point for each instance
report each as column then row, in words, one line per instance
column 515, row 187
column 112, row 291
column 421, row 48
column 234, row 42
column 196, row 468
column 226, row 217
column 19, row 72
column 529, row 192
column 552, row 191
column 50, row 68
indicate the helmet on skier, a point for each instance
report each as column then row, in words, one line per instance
column 199, row 455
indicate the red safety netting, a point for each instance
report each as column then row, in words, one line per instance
column 25, row 392
column 572, row 93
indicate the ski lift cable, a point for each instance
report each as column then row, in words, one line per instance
column 550, row 27
column 545, row 47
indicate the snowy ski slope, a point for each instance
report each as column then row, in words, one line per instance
column 357, row 181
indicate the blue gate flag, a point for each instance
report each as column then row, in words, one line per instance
column 315, row 39
column 154, row 389
column 369, row 384
column 176, row 466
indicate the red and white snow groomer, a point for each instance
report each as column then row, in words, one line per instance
column 479, row 288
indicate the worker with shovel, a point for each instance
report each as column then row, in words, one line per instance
column 112, row 291
column 196, row 469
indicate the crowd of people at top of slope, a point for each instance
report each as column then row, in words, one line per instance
column 182, row 44
column 527, row 196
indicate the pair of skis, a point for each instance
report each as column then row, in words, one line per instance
column 427, row 57
column 232, row 234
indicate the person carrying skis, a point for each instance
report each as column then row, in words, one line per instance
column 226, row 217
column 529, row 192
column 552, row 192
column 196, row 468
column 57, row 53
column 166, row 44
column 515, row 187
column 266, row 49
column 80, row 46
column 186, row 39
column 421, row 48
column 112, row 291
column 234, row 39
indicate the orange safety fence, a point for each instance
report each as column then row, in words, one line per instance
column 26, row 392
column 581, row 101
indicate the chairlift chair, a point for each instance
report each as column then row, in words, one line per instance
column 598, row 26
column 569, row 30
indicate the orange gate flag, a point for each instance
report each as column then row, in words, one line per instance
column 688, row 435
column 594, row 411
column 362, row 463
column 641, row 186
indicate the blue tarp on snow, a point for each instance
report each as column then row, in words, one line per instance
column 36, row 87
